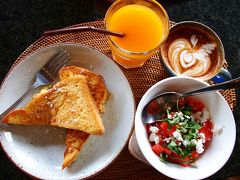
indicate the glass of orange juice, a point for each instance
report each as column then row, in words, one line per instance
column 145, row 24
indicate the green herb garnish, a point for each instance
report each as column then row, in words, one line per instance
column 163, row 157
column 173, row 147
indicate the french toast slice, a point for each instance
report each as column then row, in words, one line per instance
column 74, row 142
column 95, row 82
column 69, row 104
column 74, row 138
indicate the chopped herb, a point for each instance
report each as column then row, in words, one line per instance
column 187, row 108
column 180, row 151
column 162, row 120
column 187, row 151
column 163, row 157
column 168, row 111
column 191, row 144
column 182, row 129
column 188, row 113
column 192, row 125
column 188, row 136
column 173, row 147
column 172, row 144
column 176, row 120
column 193, row 133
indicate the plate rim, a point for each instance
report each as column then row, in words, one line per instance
column 23, row 57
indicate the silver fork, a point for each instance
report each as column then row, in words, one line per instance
column 45, row 76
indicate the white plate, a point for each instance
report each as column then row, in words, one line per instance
column 38, row 150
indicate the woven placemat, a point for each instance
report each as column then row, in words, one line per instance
column 141, row 79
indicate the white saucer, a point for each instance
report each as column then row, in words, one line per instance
column 135, row 150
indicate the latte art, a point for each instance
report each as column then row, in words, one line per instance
column 190, row 57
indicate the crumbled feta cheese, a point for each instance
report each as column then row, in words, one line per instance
column 169, row 116
column 202, row 136
column 199, row 146
column 186, row 142
column 202, row 116
column 177, row 135
column 180, row 114
column 205, row 116
column 154, row 138
column 182, row 118
column 167, row 140
column 194, row 141
column 188, row 117
column 154, row 129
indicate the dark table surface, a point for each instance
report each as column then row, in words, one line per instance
column 22, row 23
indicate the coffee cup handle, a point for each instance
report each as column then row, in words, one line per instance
column 222, row 76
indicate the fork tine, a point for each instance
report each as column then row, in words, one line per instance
column 51, row 67
column 54, row 57
column 54, row 64
column 64, row 60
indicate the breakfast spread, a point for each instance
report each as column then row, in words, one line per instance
column 73, row 103
column 182, row 133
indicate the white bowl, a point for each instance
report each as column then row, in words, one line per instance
column 221, row 146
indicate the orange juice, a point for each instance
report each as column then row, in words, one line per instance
column 145, row 25
column 143, row 28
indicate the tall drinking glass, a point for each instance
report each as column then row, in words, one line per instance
column 145, row 24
